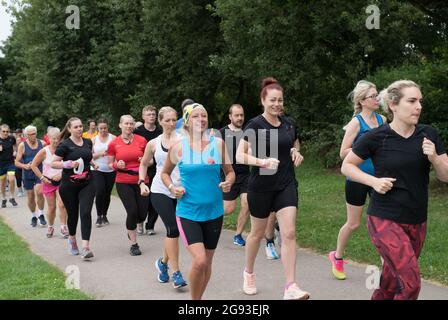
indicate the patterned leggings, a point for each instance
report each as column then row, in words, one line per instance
column 400, row 246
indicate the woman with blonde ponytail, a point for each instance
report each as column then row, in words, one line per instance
column 365, row 118
column 402, row 153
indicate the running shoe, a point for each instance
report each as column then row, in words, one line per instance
column 295, row 293
column 33, row 222
column 238, row 240
column 42, row 220
column 135, row 250
column 73, row 247
column 140, row 229
column 150, row 232
column 64, row 232
column 105, row 221
column 4, row 203
column 337, row 266
column 99, row 222
column 162, row 268
column 50, row 232
column 178, row 280
column 20, row 194
column 13, row 202
column 271, row 252
column 249, row 286
column 86, row 254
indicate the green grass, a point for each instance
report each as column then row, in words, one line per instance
column 322, row 212
column 24, row 275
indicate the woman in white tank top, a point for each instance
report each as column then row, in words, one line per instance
column 50, row 183
column 104, row 176
column 163, row 200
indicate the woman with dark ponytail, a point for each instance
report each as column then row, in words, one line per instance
column 271, row 148
column 74, row 156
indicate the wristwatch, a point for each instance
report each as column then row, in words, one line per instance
column 140, row 182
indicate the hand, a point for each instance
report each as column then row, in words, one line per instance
column 75, row 164
column 94, row 165
column 270, row 163
column 297, row 158
column 121, row 164
column 225, row 186
column 144, row 190
column 429, row 149
column 1, row 147
column 383, row 185
column 178, row 192
column 57, row 177
column 45, row 180
column 28, row 166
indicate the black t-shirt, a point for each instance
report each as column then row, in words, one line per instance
column 232, row 139
column 396, row 157
column 7, row 153
column 149, row 135
column 259, row 133
column 68, row 150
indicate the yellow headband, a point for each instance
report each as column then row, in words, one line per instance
column 188, row 109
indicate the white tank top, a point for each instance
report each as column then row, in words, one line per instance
column 99, row 146
column 47, row 170
column 160, row 156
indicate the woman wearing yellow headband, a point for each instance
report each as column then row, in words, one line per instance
column 199, row 212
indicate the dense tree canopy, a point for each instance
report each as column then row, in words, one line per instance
column 128, row 54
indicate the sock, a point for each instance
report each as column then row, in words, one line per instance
column 245, row 270
column 337, row 258
column 40, row 212
column 34, row 214
column 269, row 241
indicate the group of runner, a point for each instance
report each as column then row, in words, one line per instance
column 191, row 176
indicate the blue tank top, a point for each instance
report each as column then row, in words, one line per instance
column 200, row 175
column 367, row 165
column 28, row 157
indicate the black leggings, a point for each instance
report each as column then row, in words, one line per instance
column 152, row 214
column 136, row 205
column 78, row 200
column 166, row 208
column 19, row 177
column 104, row 183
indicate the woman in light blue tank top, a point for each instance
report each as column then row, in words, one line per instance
column 365, row 100
column 199, row 212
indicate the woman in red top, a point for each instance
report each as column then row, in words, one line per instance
column 125, row 153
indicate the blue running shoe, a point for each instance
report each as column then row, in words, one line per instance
column 42, row 220
column 73, row 247
column 238, row 240
column 33, row 222
column 271, row 252
column 162, row 268
column 178, row 280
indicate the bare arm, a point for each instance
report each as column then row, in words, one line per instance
column 146, row 160
column 226, row 167
column 350, row 169
column 38, row 159
column 19, row 156
column 439, row 162
column 174, row 155
column 351, row 132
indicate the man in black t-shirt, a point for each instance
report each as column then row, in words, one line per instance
column 149, row 131
column 232, row 134
column 7, row 167
column 402, row 153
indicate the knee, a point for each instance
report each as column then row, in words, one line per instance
column 288, row 235
column 353, row 226
column 229, row 208
column 199, row 264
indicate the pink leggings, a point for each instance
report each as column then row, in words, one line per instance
column 400, row 246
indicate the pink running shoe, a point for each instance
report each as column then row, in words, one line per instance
column 337, row 266
column 249, row 283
